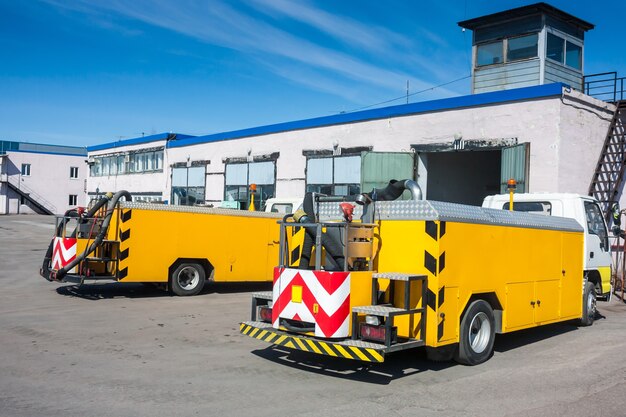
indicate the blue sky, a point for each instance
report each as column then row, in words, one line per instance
column 86, row 72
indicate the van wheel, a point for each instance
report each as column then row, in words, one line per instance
column 477, row 334
column 187, row 279
column 589, row 305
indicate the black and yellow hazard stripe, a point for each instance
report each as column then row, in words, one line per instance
column 307, row 344
column 435, row 265
column 295, row 245
column 124, row 249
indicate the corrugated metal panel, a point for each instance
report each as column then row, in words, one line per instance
column 558, row 73
column 508, row 76
column 377, row 168
column 452, row 212
column 514, row 165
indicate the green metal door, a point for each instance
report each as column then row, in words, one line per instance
column 377, row 168
column 514, row 164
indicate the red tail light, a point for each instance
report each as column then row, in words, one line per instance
column 264, row 313
column 376, row 333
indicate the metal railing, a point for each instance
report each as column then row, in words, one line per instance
column 606, row 86
column 30, row 194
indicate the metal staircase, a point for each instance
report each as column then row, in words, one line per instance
column 35, row 199
column 608, row 178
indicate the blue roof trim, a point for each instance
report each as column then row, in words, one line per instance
column 518, row 94
column 51, row 153
column 136, row 141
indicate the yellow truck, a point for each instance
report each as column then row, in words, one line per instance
column 421, row 273
column 178, row 247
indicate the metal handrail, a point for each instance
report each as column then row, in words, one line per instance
column 605, row 86
column 33, row 195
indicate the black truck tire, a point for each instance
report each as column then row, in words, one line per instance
column 589, row 304
column 187, row 279
column 477, row 334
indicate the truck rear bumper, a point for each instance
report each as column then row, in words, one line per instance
column 349, row 349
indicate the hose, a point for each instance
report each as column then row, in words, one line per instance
column 112, row 203
column 44, row 271
column 333, row 248
column 394, row 190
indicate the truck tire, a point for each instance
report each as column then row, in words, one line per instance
column 187, row 279
column 477, row 334
column 589, row 304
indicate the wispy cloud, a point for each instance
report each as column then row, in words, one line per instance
column 218, row 23
column 346, row 30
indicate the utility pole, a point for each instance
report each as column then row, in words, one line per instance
column 407, row 91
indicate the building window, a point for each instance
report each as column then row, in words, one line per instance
column 573, row 55
column 127, row 163
column 555, row 48
column 489, row 54
column 25, row 170
column 523, row 47
column 239, row 176
column 336, row 175
column 73, row 172
column 73, row 199
column 188, row 185
column 517, row 49
column 564, row 52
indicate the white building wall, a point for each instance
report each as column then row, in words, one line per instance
column 49, row 181
column 537, row 122
column 583, row 128
column 565, row 135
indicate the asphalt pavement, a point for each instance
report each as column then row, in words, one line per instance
column 117, row 349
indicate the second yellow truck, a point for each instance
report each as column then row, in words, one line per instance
column 424, row 273
column 177, row 247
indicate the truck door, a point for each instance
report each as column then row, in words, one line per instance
column 597, row 255
column 514, row 164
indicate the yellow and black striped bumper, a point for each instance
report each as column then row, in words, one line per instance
column 349, row 349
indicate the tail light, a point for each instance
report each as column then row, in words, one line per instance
column 264, row 313
column 377, row 333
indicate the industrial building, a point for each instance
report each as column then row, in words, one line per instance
column 531, row 116
column 39, row 178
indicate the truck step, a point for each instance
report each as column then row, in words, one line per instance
column 361, row 344
column 262, row 295
column 384, row 310
column 398, row 276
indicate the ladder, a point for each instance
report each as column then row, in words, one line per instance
column 387, row 311
column 608, row 178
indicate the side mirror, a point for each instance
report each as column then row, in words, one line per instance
column 617, row 217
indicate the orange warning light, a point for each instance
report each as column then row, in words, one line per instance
column 511, row 184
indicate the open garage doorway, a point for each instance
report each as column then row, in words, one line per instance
column 468, row 176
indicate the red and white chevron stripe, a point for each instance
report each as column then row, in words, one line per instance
column 63, row 253
column 330, row 291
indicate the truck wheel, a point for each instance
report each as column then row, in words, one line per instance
column 477, row 334
column 589, row 304
column 187, row 279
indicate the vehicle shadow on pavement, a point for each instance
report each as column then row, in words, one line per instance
column 103, row 291
column 396, row 366
column 236, row 287
column 111, row 290
column 520, row 338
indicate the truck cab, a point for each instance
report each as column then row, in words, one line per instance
column 584, row 209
